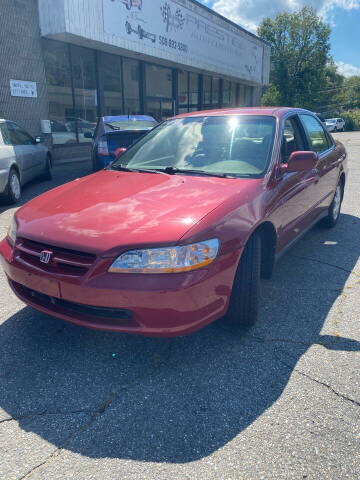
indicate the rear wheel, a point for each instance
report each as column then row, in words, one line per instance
column 13, row 189
column 334, row 210
column 244, row 300
column 129, row 4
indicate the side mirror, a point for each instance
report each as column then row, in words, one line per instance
column 118, row 152
column 302, row 161
column 39, row 140
column 88, row 135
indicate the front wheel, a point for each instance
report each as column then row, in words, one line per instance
column 334, row 210
column 13, row 189
column 244, row 300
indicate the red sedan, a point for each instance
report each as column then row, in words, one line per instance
column 179, row 230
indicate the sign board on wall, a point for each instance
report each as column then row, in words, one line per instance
column 168, row 26
column 22, row 88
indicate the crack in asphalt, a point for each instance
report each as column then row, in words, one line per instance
column 319, row 382
column 96, row 415
column 44, row 414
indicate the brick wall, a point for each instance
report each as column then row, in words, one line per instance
column 21, row 59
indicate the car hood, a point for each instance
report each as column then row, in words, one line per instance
column 110, row 210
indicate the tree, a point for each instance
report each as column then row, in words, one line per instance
column 301, row 65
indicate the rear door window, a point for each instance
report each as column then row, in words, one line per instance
column 317, row 137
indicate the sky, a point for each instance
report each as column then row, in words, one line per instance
column 343, row 16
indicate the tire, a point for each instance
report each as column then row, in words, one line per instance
column 48, row 169
column 334, row 210
column 140, row 5
column 244, row 300
column 13, row 188
column 128, row 28
column 129, row 5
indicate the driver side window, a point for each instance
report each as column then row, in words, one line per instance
column 292, row 140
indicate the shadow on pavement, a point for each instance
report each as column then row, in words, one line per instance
column 174, row 400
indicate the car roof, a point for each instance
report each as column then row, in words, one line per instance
column 134, row 118
column 267, row 111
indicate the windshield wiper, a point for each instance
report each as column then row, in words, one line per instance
column 173, row 170
column 119, row 166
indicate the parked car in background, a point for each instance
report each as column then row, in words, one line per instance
column 335, row 124
column 117, row 132
column 22, row 158
column 179, row 230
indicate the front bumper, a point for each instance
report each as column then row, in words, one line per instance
column 162, row 305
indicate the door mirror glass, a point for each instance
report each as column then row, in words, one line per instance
column 302, row 161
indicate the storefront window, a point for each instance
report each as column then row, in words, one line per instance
column 194, row 91
column 58, row 79
column 183, row 95
column 242, row 95
column 131, row 79
column 226, row 92
column 249, row 94
column 85, row 93
column 206, row 90
column 233, row 94
column 215, row 92
column 112, row 75
column 158, row 81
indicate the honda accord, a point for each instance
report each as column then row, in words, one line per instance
column 179, row 230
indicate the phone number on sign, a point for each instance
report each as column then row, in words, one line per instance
column 168, row 42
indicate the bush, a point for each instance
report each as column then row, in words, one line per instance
column 352, row 119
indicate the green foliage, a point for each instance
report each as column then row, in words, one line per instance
column 300, row 61
column 271, row 97
column 352, row 119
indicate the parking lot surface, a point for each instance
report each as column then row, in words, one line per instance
column 278, row 401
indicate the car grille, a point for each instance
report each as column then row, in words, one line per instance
column 98, row 315
column 63, row 261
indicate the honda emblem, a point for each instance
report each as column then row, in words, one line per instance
column 45, row 256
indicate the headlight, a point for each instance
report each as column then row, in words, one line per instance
column 167, row 260
column 12, row 231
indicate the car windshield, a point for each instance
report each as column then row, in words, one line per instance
column 331, row 120
column 238, row 145
column 129, row 125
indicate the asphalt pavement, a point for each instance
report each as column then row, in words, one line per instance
column 278, row 401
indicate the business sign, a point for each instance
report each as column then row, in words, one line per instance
column 171, row 27
column 22, row 88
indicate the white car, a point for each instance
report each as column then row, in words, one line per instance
column 22, row 158
column 335, row 124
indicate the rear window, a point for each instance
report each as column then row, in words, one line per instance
column 130, row 125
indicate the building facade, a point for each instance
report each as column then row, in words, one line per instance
column 67, row 62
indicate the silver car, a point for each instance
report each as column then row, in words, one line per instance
column 22, row 158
